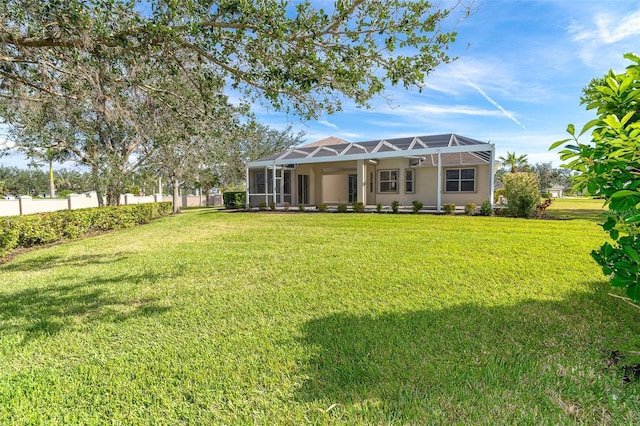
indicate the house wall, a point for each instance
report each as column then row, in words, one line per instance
column 426, row 185
column 335, row 188
column 329, row 184
column 481, row 194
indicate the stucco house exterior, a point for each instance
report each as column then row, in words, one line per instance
column 556, row 191
column 435, row 170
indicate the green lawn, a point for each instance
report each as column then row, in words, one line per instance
column 267, row 318
column 577, row 208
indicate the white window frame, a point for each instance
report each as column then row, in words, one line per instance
column 412, row 181
column 388, row 180
column 460, row 180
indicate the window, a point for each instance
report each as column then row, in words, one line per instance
column 388, row 181
column 409, row 185
column 460, row 180
column 303, row 189
column 260, row 183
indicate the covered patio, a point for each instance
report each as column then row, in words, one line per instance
column 433, row 169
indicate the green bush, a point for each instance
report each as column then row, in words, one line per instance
column 470, row 208
column 234, row 199
column 486, row 209
column 417, row 205
column 301, row 207
column 394, row 206
column 378, row 207
column 9, row 236
column 358, row 207
column 262, row 206
column 523, row 193
column 322, row 207
column 44, row 228
column 449, row 208
column 342, row 208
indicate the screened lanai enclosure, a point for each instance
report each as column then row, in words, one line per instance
column 434, row 170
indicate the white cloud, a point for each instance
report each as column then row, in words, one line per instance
column 328, row 124
column 608, row 28
column 605, row 37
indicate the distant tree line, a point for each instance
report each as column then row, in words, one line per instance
column 130, row 86
column 547, row 174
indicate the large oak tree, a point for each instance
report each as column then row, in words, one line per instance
column 99, row 64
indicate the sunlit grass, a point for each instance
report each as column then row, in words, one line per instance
column 578, row 208
column 270, row 318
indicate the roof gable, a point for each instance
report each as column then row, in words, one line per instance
column 326, row 150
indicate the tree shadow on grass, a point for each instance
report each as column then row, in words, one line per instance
column 596, row 216
column 43, row 311
column 434, row 365
column 48, row 261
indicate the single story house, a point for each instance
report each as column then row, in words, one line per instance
column 434, row 169
column 556, row 191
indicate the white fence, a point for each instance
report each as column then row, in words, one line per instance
column 27, row 205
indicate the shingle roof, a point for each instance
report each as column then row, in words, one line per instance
column 331, row 140
column 325, row 150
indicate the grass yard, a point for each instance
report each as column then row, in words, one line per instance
column 247, row 318
column 578, row 208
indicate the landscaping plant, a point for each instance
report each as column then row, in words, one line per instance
column 609, row 167
column 394, row 206
column 486, row 209
column 522, row 189
column 358, row 207
column 470, row 208
column 449, row 208
column 417, row 205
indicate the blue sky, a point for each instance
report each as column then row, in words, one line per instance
column 517, row 83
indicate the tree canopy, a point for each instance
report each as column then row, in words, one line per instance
column 609, row 166
column 298, row 57
column 116, row 82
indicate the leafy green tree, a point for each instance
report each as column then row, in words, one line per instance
column 100, row 66
column 609, row 166
column 522, row 190
column 254, row 141
column 295, row 56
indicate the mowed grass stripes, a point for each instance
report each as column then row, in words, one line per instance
column 268, row 318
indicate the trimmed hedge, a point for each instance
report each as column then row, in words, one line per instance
column 234, row 200
column 44, row 228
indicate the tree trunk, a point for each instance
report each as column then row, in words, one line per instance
column 176, row 197
column 52, row 187
column 95, row 178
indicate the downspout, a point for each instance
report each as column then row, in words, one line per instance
column 492, row 183
column 281, row 187
column 273, row 183
column 266, row 185
column 439, row 198
column 247, row 192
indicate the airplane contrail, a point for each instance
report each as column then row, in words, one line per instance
column 494, row 103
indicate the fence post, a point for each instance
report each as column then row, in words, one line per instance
column 25, row 200
column 71, row 199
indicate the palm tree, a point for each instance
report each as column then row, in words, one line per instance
column 514, row 162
